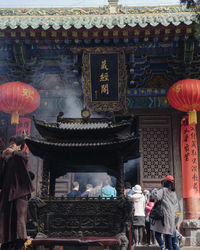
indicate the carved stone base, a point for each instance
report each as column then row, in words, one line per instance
column 191, row 231
column 124, row 241
column 40, row 235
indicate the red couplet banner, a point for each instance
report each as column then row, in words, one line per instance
column 24, row 125
column 189, row 158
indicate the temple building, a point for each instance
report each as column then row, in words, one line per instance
column 116, row 61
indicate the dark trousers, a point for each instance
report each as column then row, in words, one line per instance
column 175, row 241
column 150, row 233
column 159, row 239
column 168, row 241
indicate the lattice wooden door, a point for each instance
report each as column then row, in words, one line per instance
column 156, row 147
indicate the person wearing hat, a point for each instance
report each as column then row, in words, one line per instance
column 169, row 203
column 138, row 214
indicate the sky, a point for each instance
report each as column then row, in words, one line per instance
column 79, row 3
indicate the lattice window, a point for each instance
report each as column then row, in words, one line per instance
column 155, row 145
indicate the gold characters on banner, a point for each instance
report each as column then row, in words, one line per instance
column 104, row 77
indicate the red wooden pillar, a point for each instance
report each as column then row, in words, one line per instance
column 130, row 236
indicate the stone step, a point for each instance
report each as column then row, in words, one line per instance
column 148, row 247
column 145, row 248
column 190, row 248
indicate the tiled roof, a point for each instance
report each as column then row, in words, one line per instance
column 79, row 144
column 79, row 124
column 83, row 126
column 106, row 16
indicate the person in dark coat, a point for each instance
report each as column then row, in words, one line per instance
column 16, row 186
column 75, row 193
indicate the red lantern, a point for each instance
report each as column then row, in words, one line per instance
column 18, row 98
column 184, row 95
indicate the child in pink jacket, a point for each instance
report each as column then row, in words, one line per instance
column 147, row 221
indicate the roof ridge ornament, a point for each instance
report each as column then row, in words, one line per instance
column 59, row 116
column 113, row 6
column 113, row 2
column 85, row 113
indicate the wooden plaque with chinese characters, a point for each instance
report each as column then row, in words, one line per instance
column 104, row 79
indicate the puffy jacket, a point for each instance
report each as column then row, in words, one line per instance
column 149, row 207
column 139, row 204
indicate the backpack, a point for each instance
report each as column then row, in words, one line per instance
column 157, row 213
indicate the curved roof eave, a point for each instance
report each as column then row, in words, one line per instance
column 95, row 17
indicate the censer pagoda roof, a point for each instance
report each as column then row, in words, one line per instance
column 96, row 138
column 77, row 128
column 83, row 153
column 77, row 145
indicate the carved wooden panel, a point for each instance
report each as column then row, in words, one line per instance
column 156, row 144
column 93, row 217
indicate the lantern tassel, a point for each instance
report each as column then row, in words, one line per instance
column 192, row 117
column 15, row 118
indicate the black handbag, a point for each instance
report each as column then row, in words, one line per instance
column 157, row 213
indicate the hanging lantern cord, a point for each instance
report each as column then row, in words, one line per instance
column 15, row 117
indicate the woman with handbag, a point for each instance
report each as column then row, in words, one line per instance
column 168, row 199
